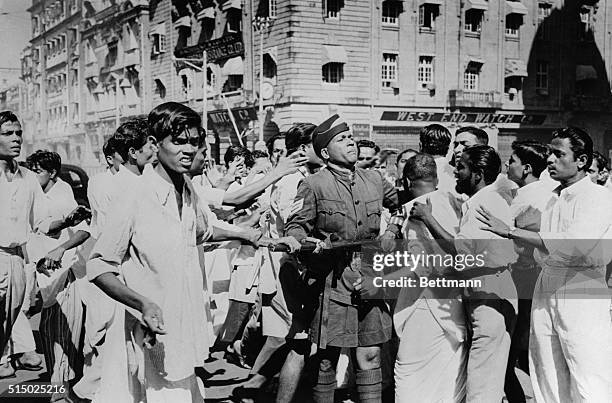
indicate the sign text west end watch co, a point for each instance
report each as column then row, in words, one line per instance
column 463, row 117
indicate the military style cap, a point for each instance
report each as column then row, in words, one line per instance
column 325, row 132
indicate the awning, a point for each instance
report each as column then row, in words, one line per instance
column 273, row 53
column 434, row 2
column 231, row 4
column 233, row 67
column 515, row 7
column 585, row 72
column 333, row 54
column 474, row 59
column 159, row 29
column 101, row 54
column 183, row 22
column 515, row 68
column 476, row 5
column 207, row 13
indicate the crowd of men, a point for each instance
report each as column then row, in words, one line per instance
column 178, row 259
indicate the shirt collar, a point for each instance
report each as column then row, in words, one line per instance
column 162, row 188
column 574, row 188
column 481, row 194
column 343, row 175
column 19, row 170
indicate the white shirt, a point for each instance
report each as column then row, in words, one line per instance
column 576, row 227
column 446, row 175
column 106, row 188
column 420, row 240
column 472, row 239
column 282, row 197
column 59, row 202
column 530, row 202
column 155, row 250
column 22, row 208
column 212, row 196
column 505, row 187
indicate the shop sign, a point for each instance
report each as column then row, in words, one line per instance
column 226, row 47
column 460, row 117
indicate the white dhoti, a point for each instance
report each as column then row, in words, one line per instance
column 431, row 362
column 570, row 348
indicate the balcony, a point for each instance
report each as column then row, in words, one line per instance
column 474, row 99
column 56, row 59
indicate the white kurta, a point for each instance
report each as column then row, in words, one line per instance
column 160, row 261
column 570, row 347
column 430, row 323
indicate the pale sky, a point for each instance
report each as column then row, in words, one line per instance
column 15, row 33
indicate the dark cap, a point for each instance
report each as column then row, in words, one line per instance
column 325, row 132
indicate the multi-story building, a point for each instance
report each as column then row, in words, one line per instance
column 51, row 73
column 515, row 68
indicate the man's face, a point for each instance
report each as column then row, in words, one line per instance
column 401, row 163
column 147, row 154
column 278, row 150
column 11, row 138
column 562, row 163
column 603, row 176
column 367, row 158
column 516, row 169
column 463, row 140
column 313, row 158
column 177, row 153
column 466, row 180
column 341, row 149
column 116, row 161
column 43, row 176
column 594, row 172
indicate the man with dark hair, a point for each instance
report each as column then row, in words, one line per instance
column 111, row 156
column 468, row 136
column 367, row 152
column 345, row 202
column 276, row 148
column 598, row 169
column 400, row 162
column 134, row 145
column 430, row 322
column 62, row 313
column 527, row 162
column 491, row 303
column 571, row 303
column 243, row 156
column 435, row 140
column 23, row 210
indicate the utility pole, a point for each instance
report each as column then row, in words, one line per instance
column 261, row 24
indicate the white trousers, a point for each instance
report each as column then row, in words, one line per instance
column 570, row 348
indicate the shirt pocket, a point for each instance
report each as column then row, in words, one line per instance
column 373, row 212
column 332, row 216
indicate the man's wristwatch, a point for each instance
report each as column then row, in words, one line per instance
column 510, row 234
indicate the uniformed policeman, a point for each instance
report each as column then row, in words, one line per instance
column 345, row 203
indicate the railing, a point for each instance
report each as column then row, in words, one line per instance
column 474, row 99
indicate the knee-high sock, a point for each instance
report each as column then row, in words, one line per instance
column 369, row 385
column 323, row 391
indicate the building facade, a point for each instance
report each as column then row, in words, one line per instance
column 517, row 69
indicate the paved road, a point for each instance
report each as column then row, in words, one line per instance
column 225, row 377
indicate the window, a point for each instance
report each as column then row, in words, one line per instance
column 111, row 58
column 584, row 28
column 512, row 87
column 470, row 77
column 427, row 16
column 233, row 83
column 425, row 71
column 333, row 73
column 513, row 24
column 542, row 75
column 389, row 70
column 234, row 20
column 269, row 66
column 332, row 8
column 544, row 10
column 187, row 84
column 473, row 20
column 159, row 43
column 211, row 79
column 390, row 12
column 272, row 8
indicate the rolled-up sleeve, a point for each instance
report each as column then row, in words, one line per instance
column 113, row 241
column 303, row 213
